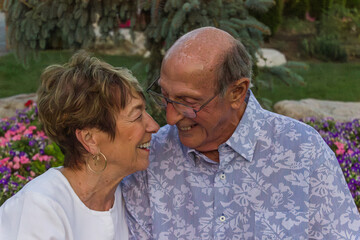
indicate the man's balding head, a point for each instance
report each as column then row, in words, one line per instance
column 207, row 45
column 213, row 51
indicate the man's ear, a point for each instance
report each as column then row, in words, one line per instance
column 236, row 92
column 87, row 139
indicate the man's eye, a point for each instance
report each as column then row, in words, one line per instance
column 191, row 104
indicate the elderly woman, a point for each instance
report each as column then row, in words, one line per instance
column 96, row 114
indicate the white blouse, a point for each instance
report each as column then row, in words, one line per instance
column 48, row 208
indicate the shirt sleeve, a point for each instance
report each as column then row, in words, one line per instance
column 333, row 213
column 137, row 204
column 32, row 216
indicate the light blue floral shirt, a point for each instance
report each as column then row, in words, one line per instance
column 277, row 179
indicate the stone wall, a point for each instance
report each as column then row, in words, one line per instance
column 339, row 111
column 9, row 105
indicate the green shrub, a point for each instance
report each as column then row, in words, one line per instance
column 338, row 28
column 353, row 4
column 273, row 17
column 296, row 8
column 325, row 48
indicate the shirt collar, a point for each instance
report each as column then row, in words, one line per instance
column 244, row 139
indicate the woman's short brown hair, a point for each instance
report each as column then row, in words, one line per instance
column 85, row 92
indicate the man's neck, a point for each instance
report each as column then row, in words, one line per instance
column 213, row 155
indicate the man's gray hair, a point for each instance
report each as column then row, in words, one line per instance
column 237, row 64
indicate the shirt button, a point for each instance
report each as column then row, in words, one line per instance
column 222, row 218
column 222, row 176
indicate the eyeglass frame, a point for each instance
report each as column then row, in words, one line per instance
column 151, row 92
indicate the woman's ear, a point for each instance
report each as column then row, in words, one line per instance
column 236, row 93
column 87, row 139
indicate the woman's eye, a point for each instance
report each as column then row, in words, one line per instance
column 139, row 117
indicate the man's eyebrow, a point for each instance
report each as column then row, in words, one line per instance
column 182, row 95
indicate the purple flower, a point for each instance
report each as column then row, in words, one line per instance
column 4, row 169
column 4, row 181
column 14, row 183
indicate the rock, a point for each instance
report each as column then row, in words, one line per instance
column 9, row 105
column 339, row 111
column 270, row 58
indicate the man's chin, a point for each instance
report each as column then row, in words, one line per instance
column 189, row 141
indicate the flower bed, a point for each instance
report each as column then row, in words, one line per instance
column 344, row 140
column 25, row 151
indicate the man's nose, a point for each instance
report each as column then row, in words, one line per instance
column 172, row 115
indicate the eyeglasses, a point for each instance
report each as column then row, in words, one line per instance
column 163, row 101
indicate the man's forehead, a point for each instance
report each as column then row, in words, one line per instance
column 202, row 41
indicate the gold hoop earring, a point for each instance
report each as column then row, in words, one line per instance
column 97, row 165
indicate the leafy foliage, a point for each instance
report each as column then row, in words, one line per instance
column 273, row 17
column 338, row 26
column 35, row 24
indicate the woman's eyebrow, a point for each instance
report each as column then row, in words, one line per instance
column 140, row 106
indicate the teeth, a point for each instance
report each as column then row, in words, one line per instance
column 185, row 128
column 144, row 145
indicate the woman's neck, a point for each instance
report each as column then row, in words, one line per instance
column 95, row 190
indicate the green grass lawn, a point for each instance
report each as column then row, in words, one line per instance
column 15, row 79
column 328, row 81
column 325, row 81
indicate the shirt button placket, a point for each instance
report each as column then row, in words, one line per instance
column 222, row 176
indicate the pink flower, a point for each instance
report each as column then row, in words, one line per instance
column 16, row 165
column 21, row 129
column 41, row 158
column 30, row 130
column 19, row 176
column 36, row 157
column 340, row 148
column 3, row 141
column 10, row 164
column 16, row 137
column 308, row 17
column 9, row 133
column 45, row 158
column 24, row 160
column 32, row 173
column 41, row 134
column 4, row 161
column 350, row 152
column 16, row 159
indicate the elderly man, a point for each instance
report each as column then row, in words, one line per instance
column 223, row 167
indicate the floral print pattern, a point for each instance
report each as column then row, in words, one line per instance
column 277, row 179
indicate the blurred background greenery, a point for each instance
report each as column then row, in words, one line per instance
column 321, row 39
